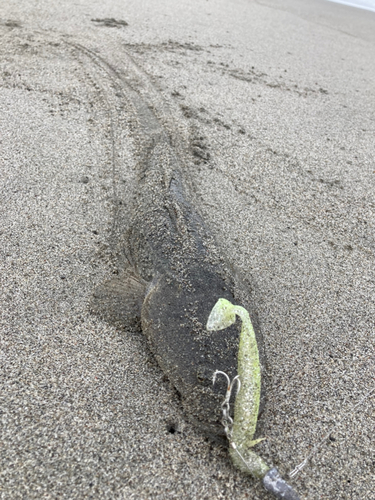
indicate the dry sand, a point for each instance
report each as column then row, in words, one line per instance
column 275, row 101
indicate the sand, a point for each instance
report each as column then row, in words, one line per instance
column 275, row 103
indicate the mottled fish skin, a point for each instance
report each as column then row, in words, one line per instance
column 170, row 281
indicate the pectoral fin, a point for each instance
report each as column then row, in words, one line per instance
column 119, row 300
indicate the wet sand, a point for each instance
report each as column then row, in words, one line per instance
column 273, row 104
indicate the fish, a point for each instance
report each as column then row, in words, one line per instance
column 171, row 274
column 172, row 279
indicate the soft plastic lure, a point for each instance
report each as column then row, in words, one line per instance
column 241, row 430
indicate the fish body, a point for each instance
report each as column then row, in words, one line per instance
column 170, row 272
column 170, row 281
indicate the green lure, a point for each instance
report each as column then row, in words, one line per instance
column 241, row 430
column 247, row 400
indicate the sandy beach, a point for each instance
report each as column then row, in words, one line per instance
column 272, row 105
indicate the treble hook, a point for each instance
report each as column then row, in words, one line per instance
column 227, row 420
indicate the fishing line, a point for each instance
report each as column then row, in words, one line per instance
column 315, row 449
